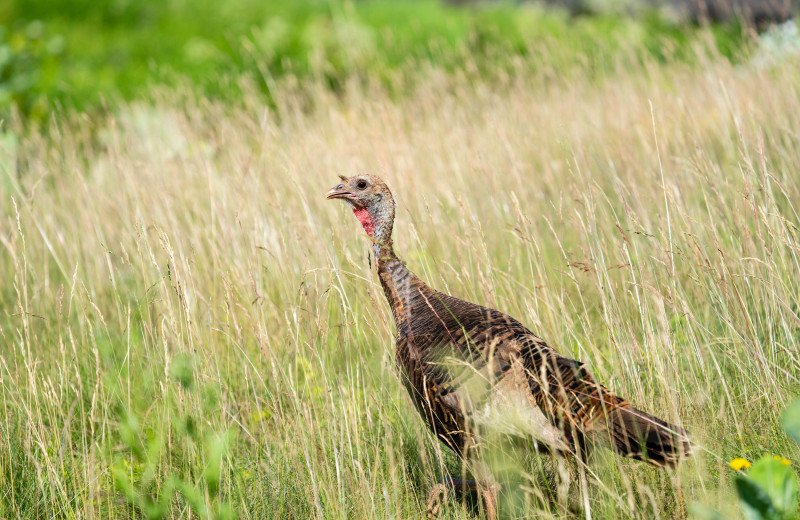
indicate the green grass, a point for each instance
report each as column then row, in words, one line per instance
column 91, row 55
column 185, row 316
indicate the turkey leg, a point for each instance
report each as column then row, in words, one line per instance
column 441, row 490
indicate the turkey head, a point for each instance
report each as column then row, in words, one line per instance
column 371, row 202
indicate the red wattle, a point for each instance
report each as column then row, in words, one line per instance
column 365, row 218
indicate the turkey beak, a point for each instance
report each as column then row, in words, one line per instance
column 338, row 192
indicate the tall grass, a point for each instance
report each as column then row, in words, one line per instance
column 177, row 278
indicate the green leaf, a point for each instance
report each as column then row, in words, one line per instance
column 182, row 369
column 791, row 420
column 217, row 448
column 193, row 497
column 701, row 512
column 191, row 427
column 224, row 512
column 129, row 432
column 756, row 503
column 123, row 484
column 167, row 493
column 155, row 511
column 779, row 482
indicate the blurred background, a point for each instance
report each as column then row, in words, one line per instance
column 87, row 55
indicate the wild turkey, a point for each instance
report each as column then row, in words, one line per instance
column 530, row 390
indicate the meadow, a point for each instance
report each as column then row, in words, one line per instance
column 190, row 330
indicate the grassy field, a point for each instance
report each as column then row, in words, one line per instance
column 189, row 330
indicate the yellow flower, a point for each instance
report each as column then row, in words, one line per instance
column 739, row 463
column 780, row 459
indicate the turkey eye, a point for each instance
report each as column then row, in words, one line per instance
column 361, row 185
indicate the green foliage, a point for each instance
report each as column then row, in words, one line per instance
column 768, row 491
column 701, row 512
column 102, row 51
column 29, row 66
column 755, row 500
column 791, row 420
column 182, row 369
column 778, row 482
column 138, row 471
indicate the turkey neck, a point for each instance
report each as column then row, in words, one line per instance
column 400, row 286
column 403, row 289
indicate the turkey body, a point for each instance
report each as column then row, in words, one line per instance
column 472, row 371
